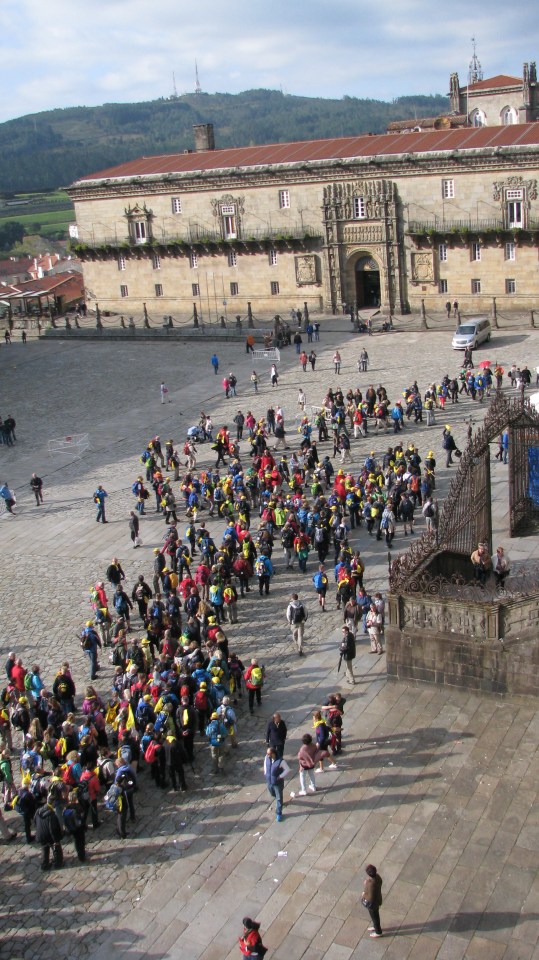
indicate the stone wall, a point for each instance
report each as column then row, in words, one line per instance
column 492, row 647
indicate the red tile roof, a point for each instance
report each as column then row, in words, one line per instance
column 308, row 151
column 493, row 83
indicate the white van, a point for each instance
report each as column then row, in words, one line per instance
column 472, row 332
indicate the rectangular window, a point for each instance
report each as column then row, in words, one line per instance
column 121, row 263
column 156, row 261
column 196, row 289
column 442, row 252
column 284, row 199
column 510, row 286
column 359, row 208
column 228, row 213
column 232, row 258
column 176, row 205
column 442, row 286
column 448, row 189
column 510, row 251
column 234, row 289
column 514, row 194
column 476, row 286
column 140, row 231
column 515, row 212
column 274, row 285
column 272, row 257
column 475, row 251
column 158, row 290
column 193, row 261
column 124, row 292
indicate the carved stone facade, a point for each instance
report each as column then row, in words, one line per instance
column 460, row 224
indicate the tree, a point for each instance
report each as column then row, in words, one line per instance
column 10, row 234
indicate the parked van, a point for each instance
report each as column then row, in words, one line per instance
column 471, row 333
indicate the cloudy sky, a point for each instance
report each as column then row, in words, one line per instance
column 60, row 53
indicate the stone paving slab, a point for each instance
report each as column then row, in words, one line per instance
column 436, row 786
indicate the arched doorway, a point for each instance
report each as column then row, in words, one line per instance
column 367, row 282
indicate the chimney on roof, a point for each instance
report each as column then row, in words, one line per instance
column 204, row 138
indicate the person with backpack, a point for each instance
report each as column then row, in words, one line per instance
column 25, row 804
column 347, row 653
column 64, row 689
column 250, row 941
column 254, row 681
column 202, row 707
column 99, row 499
column 217, row 734
column 128, row 779
column 91, row 642
column 296, row 615
column 122, row 605
column 74, row 824
column 264, row 571
column 321, row 582
column 90, row 783
column 49, row 835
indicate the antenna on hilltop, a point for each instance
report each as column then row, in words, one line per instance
column 174, row 90
column 475, row 70
column 198, row 88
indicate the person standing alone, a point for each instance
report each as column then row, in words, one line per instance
column 372, row 898
column 296, row 615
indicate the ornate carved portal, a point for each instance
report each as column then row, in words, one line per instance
column 360, row 219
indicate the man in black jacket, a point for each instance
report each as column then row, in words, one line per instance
column 276, row 732
column 49, row 835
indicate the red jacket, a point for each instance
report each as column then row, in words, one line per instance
column 249, row 942
column 17, row 677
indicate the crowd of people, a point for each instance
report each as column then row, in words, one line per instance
column 178, row 688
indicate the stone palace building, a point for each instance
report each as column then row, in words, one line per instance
column 389, row 220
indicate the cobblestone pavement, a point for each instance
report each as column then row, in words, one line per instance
column 436, row 787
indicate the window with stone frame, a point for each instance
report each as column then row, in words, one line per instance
column 193, row 260
column 448, row 189
column 510, row 286
column 475, row 251
column 510, row 250
column 359, row 208
column 515, row 208
column 284, row 199
column 158, row 290
column 232, row 258
column 442, row 286
column 124, row 292
column 156, row 261
column 121, row 262
column 274, row 288
column 234, row 289
column 195, row 287
column 228, row 220
column 272, row 258
column 176, row 204
column 442, row 252
column 476, row 286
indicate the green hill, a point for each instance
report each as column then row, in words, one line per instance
column 47, row 150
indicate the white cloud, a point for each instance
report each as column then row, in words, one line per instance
column 68, row 52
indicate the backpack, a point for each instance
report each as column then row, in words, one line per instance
column 287, row 538
column 201, row 700
column 125, row 754
column 134, row 488
column 118, row 656
column 83, row 794
column 246, row 549
column 68, row 775
column 299, row 614
column 429, row 512
column 112, row 797
column 260, row 568
column 63, row 689
column 256, row 677
column 319, row 535
column 152, row 751
column 17, row 718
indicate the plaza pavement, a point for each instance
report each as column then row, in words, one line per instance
column 437, row 787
